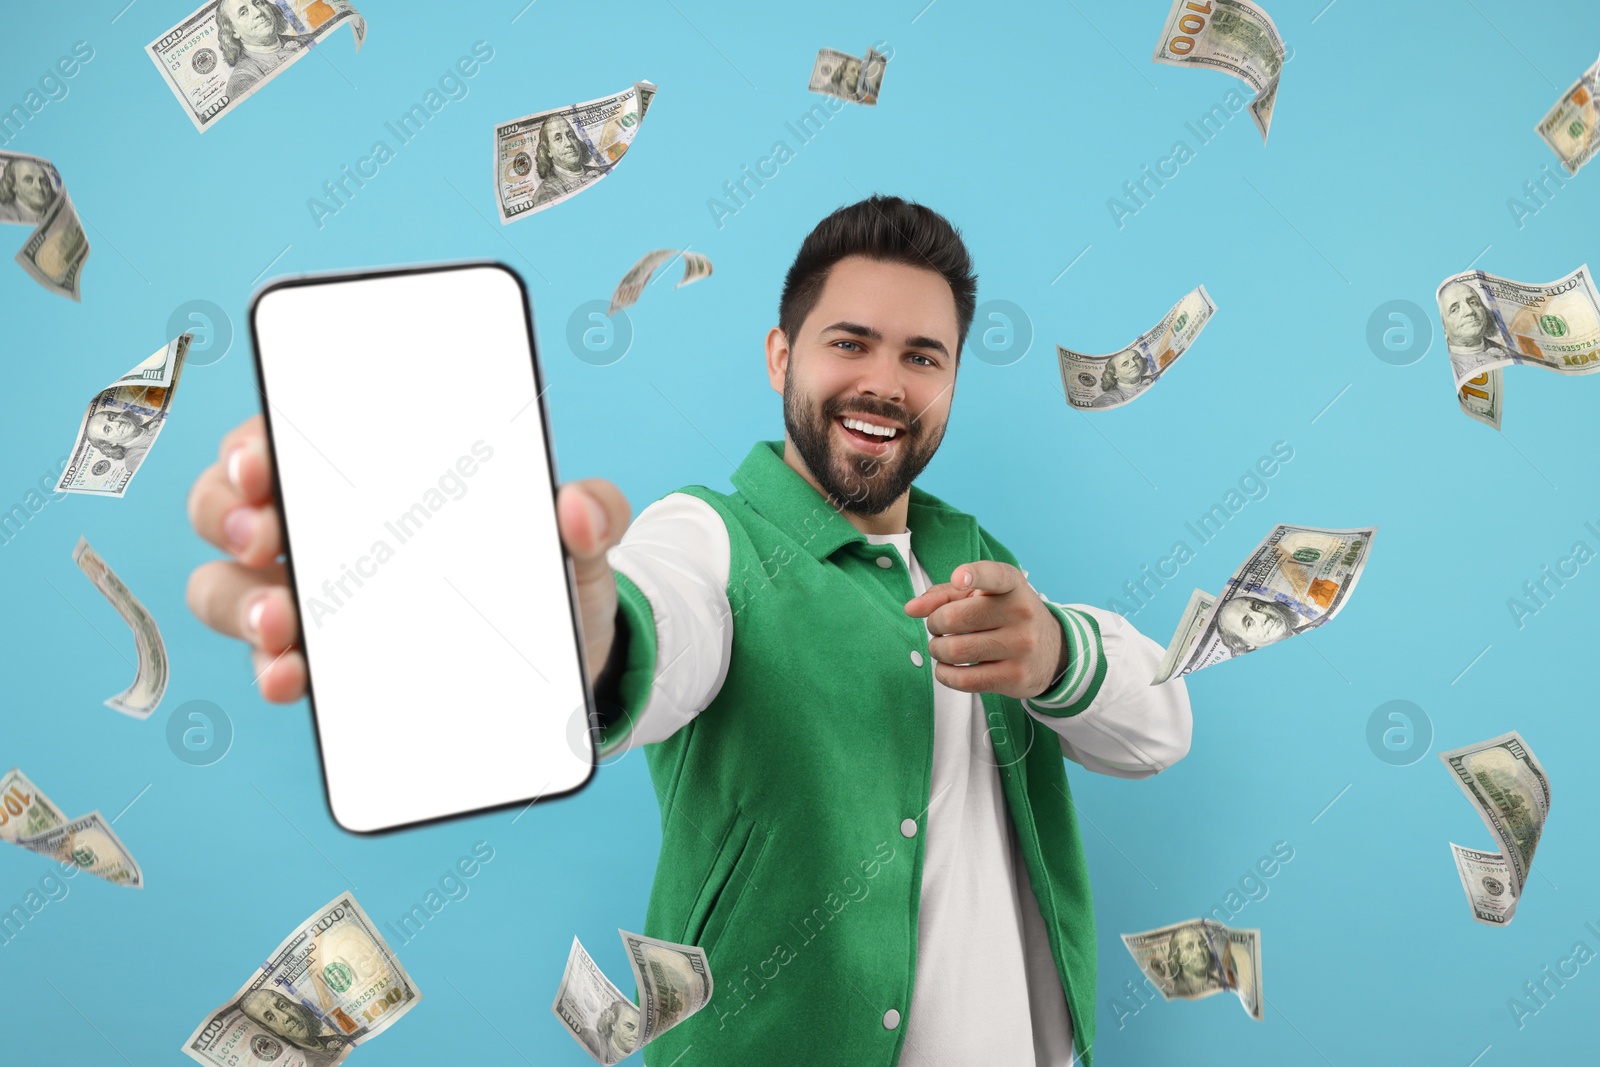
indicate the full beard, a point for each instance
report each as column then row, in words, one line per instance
column 864, row 484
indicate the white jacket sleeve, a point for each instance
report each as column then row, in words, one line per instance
column 1109, row 717
column 672, row 586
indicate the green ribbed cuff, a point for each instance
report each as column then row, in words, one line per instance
column 1086, row 665
column 639, row 671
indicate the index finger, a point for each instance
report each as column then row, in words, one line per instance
column 986, row 576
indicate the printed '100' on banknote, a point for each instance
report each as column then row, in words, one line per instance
column 226, row 50
column 332, row 984
column 1234, row 36
column 550, row 156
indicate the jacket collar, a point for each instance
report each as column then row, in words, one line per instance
column 942, row 537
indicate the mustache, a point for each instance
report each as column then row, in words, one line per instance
column 895, row 415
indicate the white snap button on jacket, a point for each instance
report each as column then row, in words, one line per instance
column 908, row 828
column 916, row 658
column 891, row 1019
column 885, row 562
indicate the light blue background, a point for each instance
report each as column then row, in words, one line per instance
column 1401, row 131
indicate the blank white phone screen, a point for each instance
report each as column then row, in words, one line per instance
column 437, row 622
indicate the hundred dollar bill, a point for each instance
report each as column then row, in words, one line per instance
column 1295, row 580
column 1486, row 879
column 695, row 267
column 29, row 819
column 1190, row 624
column 1507, row 785
column 1199, row 957
column 1492, row 322
column 150, row 679
column 24, row 809
column 1102, row 382
column 1234, row 36
column 674, row 982
column 224, row 51
column 331, row 985
column 550, row 156
column 32, row 194
column 122, row 422
column 1572, row 127
column 847, row 77
column 91, row 844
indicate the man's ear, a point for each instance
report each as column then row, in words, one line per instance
column 777, row 357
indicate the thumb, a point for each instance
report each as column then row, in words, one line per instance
column 592, row 515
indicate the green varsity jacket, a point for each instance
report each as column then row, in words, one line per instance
column 783, row 851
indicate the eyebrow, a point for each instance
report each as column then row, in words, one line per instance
column 873, row 335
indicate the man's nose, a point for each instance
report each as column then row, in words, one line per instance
column 882, row 376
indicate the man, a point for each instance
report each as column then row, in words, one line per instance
column 1125, row 377
column 254, row 38
column 563, row 161
column 838, row 680
column 27, row 190
column 1470, row 332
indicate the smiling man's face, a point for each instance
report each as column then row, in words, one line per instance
column 880, row 345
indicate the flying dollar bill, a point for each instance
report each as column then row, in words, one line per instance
column 331, row 985
column 1508, row 787
column 1190, row 624
column 225, row 51
column 150, row 678
column 89, row 843
column 32, row 194
column 1103, row 382
column 29, row 819
column 1199, row 957
column 674, row 982
column 695, row 267
column 550, row 156
column 848, row 77
column 1297, row 579
column 1234, row 36
column 122, row 422
column 1492, row 322
column 1572, row 127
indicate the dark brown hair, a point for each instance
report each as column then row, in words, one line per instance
column 885, row 228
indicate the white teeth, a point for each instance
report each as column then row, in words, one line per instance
column 867, row 427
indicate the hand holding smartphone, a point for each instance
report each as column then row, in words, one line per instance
column 416, row 486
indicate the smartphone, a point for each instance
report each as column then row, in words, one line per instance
column 416, row 482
